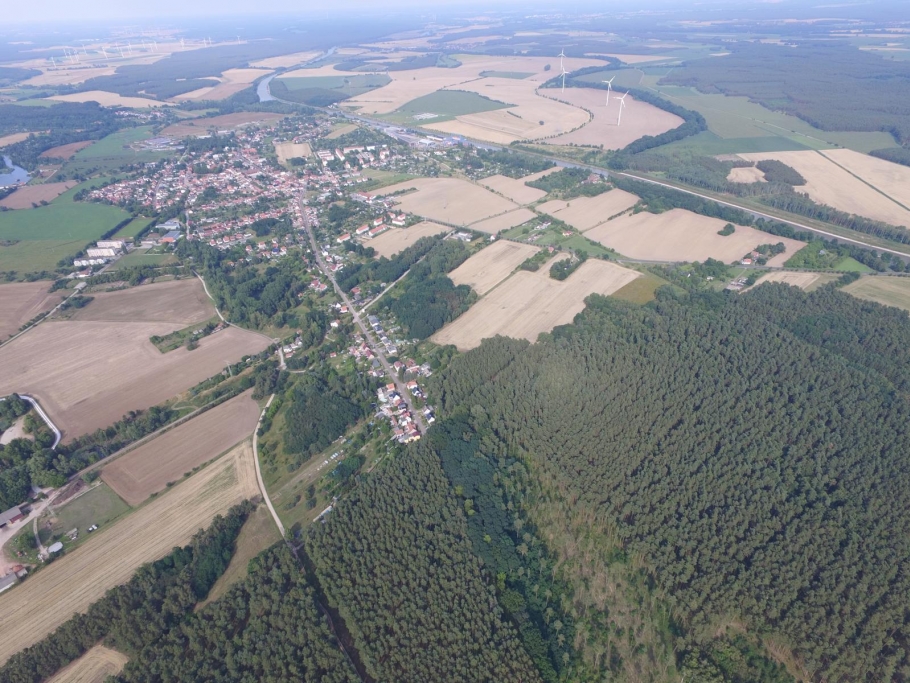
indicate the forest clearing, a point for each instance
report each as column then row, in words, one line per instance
column 92, row 667
column 448, row 200
column 165, row 459
column 827, row 183
column 888, row 291
column 529, row 303
column 88, row 374
column 397, row 239
column 27, row 195
column 181, row 302
column 22, row 301
column 679, row 235
column 69, row 585
column 490, row 266
column 516, row 190
column 584, row 213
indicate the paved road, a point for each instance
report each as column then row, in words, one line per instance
column 262, row 489
column 366, row 329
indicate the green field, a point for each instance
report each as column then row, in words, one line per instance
column 848, row 264
column 350, row 85
column 138, row 258
column 99, row 506
column 133, row 228
column 446, row 104
column 640, row 290
column 111, row 153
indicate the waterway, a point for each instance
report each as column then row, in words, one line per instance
column 263, row 90
column 16, row 176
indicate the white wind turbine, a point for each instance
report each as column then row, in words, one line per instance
column 561, row 55
column 563, row 81
column 622, row 104
column 609, row 89
column 104, row 52
column 54, row 61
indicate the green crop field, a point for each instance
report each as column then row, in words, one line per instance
column 133, row 228
column 446, row 104
column 849, row 264
column 889, row 291
column 137, row 258
column 110, row 153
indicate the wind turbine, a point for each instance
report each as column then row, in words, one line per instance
column 104, row 52
column 563, row 81
column 609, row 89
column 120, row 47
column 561, row 55
column 622, row 103
column 182, row 46
column 129, row 47
column 54, row 61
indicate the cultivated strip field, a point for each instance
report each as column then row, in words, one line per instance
column 398, row 239
column 490, row 266
column 530, row 303
column 889, row 291
column 892, row 179
column 516, row 190
column 65, row 151
column 31, row 611
column 493, row 225
column 638, row 119
column 806, row 281
column 448, row 200
column 225, row 122
column 292, row 150
column 88, row 374
column 181, row 302
column 109, row 99
column 27, row 195
column 149, row 468
column 92, row 667
column 829, row 184
column 680, row 235
column 584, row 213
column 22, row 301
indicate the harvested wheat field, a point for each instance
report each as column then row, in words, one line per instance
column 638, row 119
column 31, row 611
column 504, row 221
column 166, row 458
column 92, row 667
column 391, row 242
column 540, row 174
column 64, row 76
column 22, row 301
column 13, row 138
column 530, row 303
column 181, row 302
column 680, row 235
column 232, row 82
column 26, row 195
column 490, row 266
column 65, row 151
column 828, row 183
column 448, row 200
column 109, row 99
column 89, row 374
column 285, row 61
column 584, row 213
column 892, row 179
column 224, row 122
column 516, row 190
column 805, row 281
column 889, row 291
column 292, row 150
column 746, row 174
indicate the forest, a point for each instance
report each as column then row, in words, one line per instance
column 386, row 269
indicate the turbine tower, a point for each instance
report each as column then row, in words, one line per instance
column 609, row 89
column 54, row 61
column 563, row 81
column 622, row 104
column 104, row 52
column 561, row 55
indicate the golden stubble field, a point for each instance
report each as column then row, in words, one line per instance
column 22, row 301
column 490, row 266
column 13, row 138
column 828, row 183
column 285, row 61
column 92, row 667
column 232, row 82
column 149, row 468
column 26, row 195
column 181, row 302
column 109, row 99
column 88, row 374
column 448, row 200
column 892, row 179
column 513, row 189
column 292, row 150
column 530, row 303
column 395, row 240
column 805, row 281
column 493, row 225
column 680, row 235
column 68, row 586
column 888, row 291
column 638, row 119
column 584, row 213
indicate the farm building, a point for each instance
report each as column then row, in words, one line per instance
column 110, row 244
column 11, row 516
column 55, row 548
column 102, row 252
column 8, row 581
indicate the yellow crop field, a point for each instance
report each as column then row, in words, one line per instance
column 92, row 667
column 530, row 303
column 30, row 611
column 490, row 266
column 889, row 291
column 584, row 213
column 13, row 138
column 448, row 200
column 516, row 190
column 892, row 179
column 285, row 61
column 680, row 235
column 806, row 281
column 746, row 174
column 395, row 240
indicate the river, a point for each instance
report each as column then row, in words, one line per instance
column 263, row 90
column 16, row 176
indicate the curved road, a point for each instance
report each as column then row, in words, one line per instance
column 265, row 494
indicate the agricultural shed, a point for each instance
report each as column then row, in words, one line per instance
column 11, row 515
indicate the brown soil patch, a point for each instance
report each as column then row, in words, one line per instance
column 88, row 374
column 26, row 195
column 680, row 235
column 22, row 301
column 149, row 468
column 395, row 240
column 225, row 122
column 516, row 190
column 72, row 583
column 92, row 667
column 448, row 200
column 492, row 226
column 109, row 99
column 181, row 302
column 490, row 266
column 66, row 151
column 583, row 213
column 530, row 303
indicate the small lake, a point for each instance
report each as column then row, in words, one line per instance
column 18, row 175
